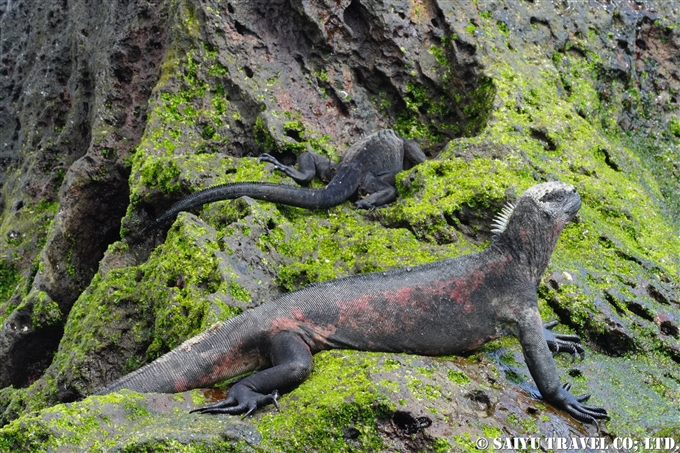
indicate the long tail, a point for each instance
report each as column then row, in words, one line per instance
column 225, row 350
column 339, row 190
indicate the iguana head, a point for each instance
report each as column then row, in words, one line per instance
column 556, row 201
column 550, row 203
column 530, row 228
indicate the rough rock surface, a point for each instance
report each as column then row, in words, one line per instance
column 110, row 113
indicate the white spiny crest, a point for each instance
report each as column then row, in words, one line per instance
column 500, row 222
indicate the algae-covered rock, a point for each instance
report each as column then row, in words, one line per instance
column 113, row 112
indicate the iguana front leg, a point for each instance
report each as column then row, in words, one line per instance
column 413, row 155
column 542, row 368
column 378, row 193
column 309, row 165
column 291, row 364
column 558, row 342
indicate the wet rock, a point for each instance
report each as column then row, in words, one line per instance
column 61, row 147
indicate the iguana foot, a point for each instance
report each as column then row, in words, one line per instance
column 302, row 176
column 362, row 204
column 573, row 406
column 264, row 157
column 241, row 400
column 558, row 342
column 272, row 160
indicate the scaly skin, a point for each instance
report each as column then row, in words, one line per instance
column 367, row 168
column 447, row 307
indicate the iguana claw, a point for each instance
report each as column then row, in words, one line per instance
column 574, row 406
column 240, row 400
column 558, row 342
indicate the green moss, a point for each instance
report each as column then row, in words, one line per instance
column 503, row 27
column 88, row 426
column 439, row 55
column 391, row 364
column 322, row 75
column 190, row 272
column 158, row 304
column 441, row 446
column 465, row 442
column 210, row 50
column 198, row 398
column 136, row 411
column 426, row 371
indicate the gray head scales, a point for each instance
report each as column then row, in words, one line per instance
column 555, row 200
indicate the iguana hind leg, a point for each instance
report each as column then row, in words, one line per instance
column 309, row 165
column 379, row 193
column 291, row 364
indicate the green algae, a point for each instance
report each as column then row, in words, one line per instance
column 9, row 279
column 60, row 426
column 434, row 192
column 458, row 377
column 20, row 258
column 552, row 120
column 156, row 305
column 429, row 111
column 421, row 390
column 338, row 395
column 45, row 312
column 96, row 425
column 340, row 244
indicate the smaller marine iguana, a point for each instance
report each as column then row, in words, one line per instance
column 447, row 307
column 368, row 168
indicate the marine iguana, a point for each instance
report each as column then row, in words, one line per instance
column 447, row 307
column 368, row 168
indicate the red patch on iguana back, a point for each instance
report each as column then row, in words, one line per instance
column 408, row 307
column 298, row 322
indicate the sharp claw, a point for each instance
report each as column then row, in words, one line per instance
column 251, row 408
column 566, row 386
column 551, row 324
column 275, row 396
column 583, row 398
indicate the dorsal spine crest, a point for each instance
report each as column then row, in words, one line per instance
column 500, row 222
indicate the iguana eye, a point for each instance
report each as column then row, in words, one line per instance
column 553, row 197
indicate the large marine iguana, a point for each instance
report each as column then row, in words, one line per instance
column 447, row 307
column 368, row 168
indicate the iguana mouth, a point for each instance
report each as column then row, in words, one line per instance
column 574, row 207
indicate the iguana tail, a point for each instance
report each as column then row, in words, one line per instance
column 224, row 351
column 333, row 194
